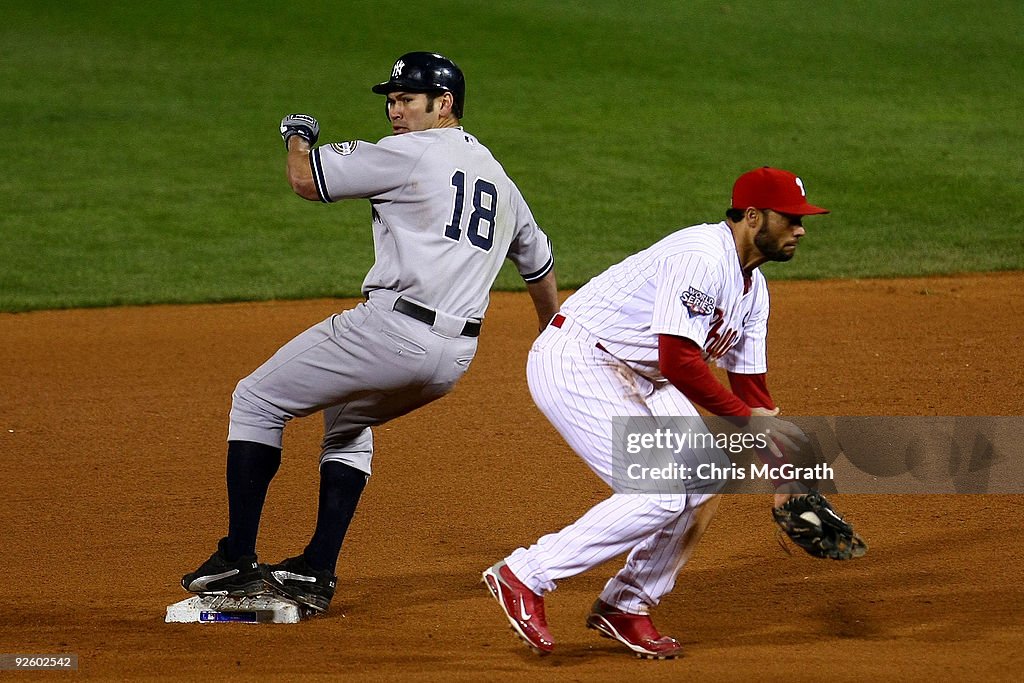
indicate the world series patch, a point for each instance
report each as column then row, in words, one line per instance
column 697, row 302
column 345, row 148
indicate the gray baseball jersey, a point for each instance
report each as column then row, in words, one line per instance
column 445, row 215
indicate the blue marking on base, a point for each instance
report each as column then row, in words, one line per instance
column 245, row 617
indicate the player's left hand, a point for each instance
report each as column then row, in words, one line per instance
column 303, row 125
column 812, row 523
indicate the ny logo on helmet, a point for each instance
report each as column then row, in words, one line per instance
column 397, row 71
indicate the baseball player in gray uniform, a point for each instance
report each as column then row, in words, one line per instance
column 445, row 216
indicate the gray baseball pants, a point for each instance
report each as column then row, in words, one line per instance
column 361, row 367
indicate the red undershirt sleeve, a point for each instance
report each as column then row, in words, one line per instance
column 682, row 363
column 753, row 389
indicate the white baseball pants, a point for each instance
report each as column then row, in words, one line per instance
column 580, row 388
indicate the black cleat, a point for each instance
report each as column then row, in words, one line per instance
column 296, row 580
column 217, row 576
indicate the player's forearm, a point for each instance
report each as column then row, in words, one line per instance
column 681, row 362
column 544, row 293
column 752, row 389
column 300, row 173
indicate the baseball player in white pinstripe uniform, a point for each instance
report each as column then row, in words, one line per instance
column 635, row 341
column 445, row 218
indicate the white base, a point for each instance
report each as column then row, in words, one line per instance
column 219, row 609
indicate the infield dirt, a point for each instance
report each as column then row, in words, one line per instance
column 112, row 424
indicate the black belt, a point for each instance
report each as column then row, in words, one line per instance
column 425, row 315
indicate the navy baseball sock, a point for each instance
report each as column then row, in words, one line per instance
column 251, row 466
column 340, row 489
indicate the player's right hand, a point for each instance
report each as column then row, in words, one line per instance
column 303, row 125
column 782, row 437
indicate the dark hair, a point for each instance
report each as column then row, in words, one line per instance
column 735, row 215
column 433, row 95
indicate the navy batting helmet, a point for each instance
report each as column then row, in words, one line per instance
column 426, row 72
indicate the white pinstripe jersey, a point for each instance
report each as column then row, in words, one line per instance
column 445, row 216
column 689, row 284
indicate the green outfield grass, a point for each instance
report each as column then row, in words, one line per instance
column 142, row 161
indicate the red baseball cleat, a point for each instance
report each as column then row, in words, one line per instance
column 635, row 631
column 523, row 608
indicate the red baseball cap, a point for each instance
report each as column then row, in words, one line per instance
column 775, row 189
